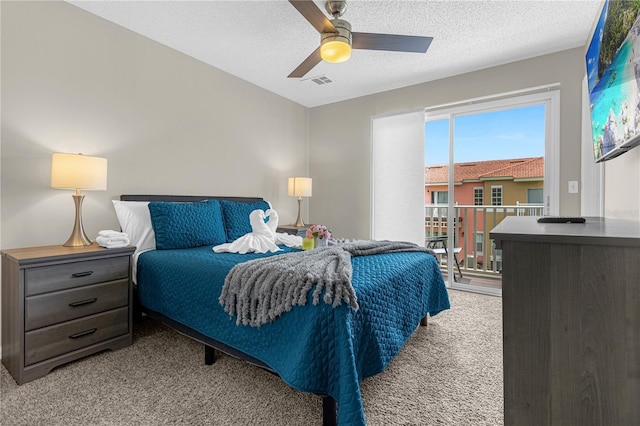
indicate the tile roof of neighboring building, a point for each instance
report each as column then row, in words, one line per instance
column 516, row 168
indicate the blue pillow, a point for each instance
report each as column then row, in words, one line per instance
column 184, row 225
column 236, row 217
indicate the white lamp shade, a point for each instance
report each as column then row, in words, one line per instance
column 77, row 171
column 299, row 187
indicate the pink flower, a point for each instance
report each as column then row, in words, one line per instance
column 318, row 231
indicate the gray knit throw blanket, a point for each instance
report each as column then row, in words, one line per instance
column 260, row 290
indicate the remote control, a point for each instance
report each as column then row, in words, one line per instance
column 561, row 219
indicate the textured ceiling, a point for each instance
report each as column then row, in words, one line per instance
column 263, row 41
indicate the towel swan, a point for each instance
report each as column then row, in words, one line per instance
column 263, row 237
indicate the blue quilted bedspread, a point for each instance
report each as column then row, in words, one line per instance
column 314, row 348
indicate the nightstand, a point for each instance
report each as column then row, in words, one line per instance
column 293, row 230
column 63, row 303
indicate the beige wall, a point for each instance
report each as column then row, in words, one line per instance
column 622, row 186
column 167, row 123
column 340, row 134
column 513, row 192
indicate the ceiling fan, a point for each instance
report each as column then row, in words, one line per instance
column 337, row 39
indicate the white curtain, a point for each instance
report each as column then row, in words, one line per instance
column 398, row 177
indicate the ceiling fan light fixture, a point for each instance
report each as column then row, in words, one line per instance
column 335, row 51
column 337, row 40
column 335, row 47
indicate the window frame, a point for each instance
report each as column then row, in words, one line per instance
column 435, row 196
column 494, row 198
column 481, row 242
column 477, row 189
column 535, row 189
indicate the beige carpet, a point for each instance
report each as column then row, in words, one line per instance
column 449, row 373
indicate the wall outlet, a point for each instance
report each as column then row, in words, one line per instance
column 573, row 187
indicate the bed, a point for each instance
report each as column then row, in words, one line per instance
column 313, row 348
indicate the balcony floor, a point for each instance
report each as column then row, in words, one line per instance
column 475, row 279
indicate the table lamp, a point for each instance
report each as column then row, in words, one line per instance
column 299, row 187
column 77, row 171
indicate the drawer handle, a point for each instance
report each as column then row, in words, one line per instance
column 83, row 333
column 82, row 274
column 82, row 302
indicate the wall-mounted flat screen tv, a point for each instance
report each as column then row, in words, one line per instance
column 613, row 74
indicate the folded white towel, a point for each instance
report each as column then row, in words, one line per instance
column 112, row 242
column 110, row 234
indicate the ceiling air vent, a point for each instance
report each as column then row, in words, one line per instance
column 321, row 80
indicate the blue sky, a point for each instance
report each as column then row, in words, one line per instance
column 498, row 135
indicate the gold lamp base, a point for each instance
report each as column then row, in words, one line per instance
column 78, row 237
column 299, row 222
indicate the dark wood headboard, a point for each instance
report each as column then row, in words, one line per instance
column 185, row 198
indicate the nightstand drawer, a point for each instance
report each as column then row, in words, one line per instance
column 59, row 339
column 52, row 308
column 68, row 275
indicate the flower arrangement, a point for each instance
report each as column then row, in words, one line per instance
column 318, row 231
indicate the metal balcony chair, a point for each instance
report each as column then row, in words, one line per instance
column 439, row 246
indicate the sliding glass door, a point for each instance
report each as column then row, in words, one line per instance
column 484, row 161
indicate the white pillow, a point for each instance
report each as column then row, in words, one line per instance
column 135, row 221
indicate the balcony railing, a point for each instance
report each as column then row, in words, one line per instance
column 471, row 228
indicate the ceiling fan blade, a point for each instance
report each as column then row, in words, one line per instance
column 310, row 11
column 306, row 65
column 391, row 42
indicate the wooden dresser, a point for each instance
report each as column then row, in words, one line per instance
column 63, row 303
column 571, row 322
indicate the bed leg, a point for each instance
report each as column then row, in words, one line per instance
column 329, row 411
column 209, row 355
column 137, row 308
column 423, row 321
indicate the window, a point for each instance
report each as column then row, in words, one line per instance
column 534, row 196
column 496, row 195
column 440, row 197
column 479, row 243
column 478, row 196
